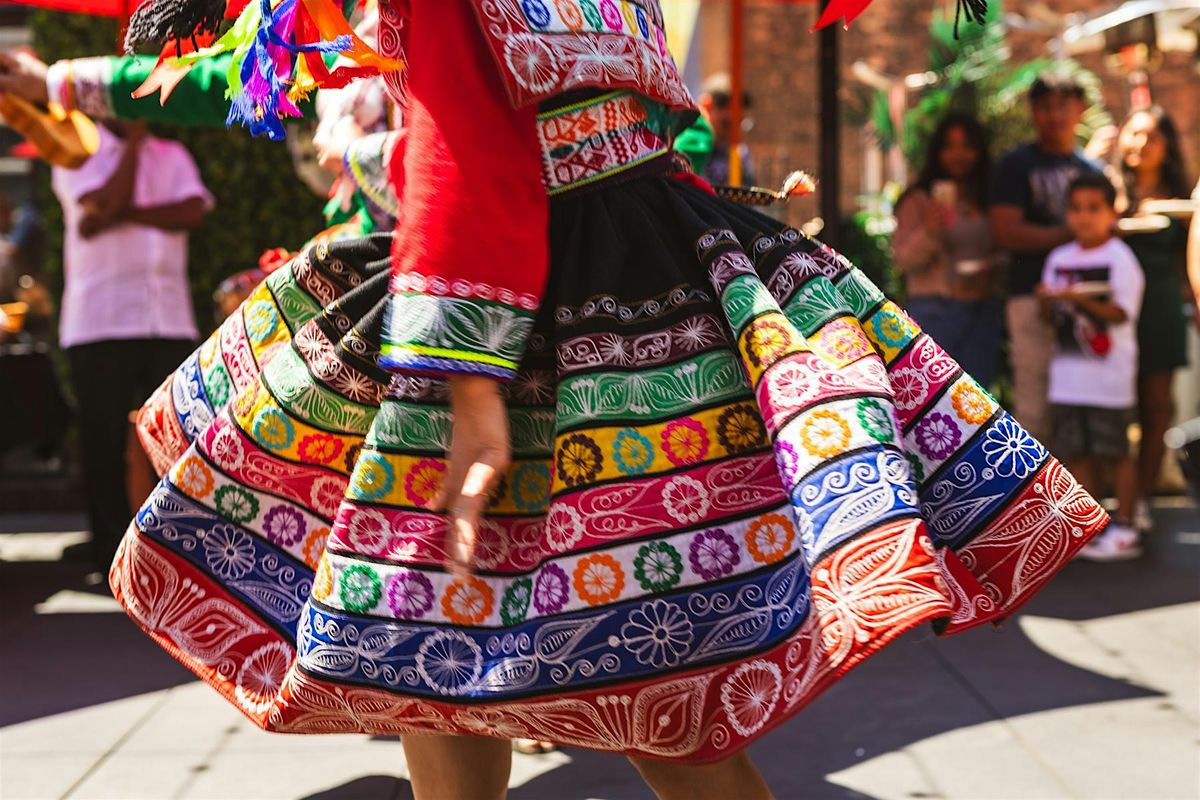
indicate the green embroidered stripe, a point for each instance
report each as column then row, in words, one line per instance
column 288, row 378
column 406, row 427
column 296, row 305
column 744, row 299
column 815, row 305
column 653, row 394
column 860, row 293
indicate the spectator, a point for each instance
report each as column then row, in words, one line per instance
column 1091, row 290
column 943, row 245
column 706, row 142
column 1027, row 215
column 127, row 318
column 1152, row 169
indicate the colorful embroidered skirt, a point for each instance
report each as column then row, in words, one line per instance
column 738, row 471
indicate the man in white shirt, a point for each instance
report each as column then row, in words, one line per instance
column 127, row 318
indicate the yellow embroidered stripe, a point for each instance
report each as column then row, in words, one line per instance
column 282, row 435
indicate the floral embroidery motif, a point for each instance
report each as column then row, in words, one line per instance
column 579, row 460
column 844, row 341
column 367, row 530
column 659, row 634
column 424, row 481
column 564, row 528
column 824, row 434
column 320, row 448
column 970, row 404
column 550, row 590
column 909, row 387
column 229, row 552
column 632, row 453
column 195, row 478
column 686, row 499
column 713, row 554
column 236, row 504
column 273, row 429
column 770, row 538
column 685, row 441
column 657, row 567
column 531, row 486
column 750, row 694
column 373, row 476
column 890, row 328
column 323, row 580
column 767, row 341
column 409, row 595
column 261, row 319
column 740, row 429
column 314, row 546
column 937, row 436
column 599, row 579
column 514, row 606
column 468, row 601
column 1010, row 450
column 876, row 420
column 449, row 662
column 360, row 588
column 285, row 526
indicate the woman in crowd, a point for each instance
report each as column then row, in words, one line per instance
column 1152, row 166
column 944, row 247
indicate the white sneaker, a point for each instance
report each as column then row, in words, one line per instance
column 1117, row 542
column 1143, row 520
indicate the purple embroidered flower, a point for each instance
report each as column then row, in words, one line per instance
column 409, row 595
column 284, row 526
column 788, row 461
column 550, row 592
column 937, row 436
column 713, row 554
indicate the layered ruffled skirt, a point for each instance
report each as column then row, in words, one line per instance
column 738, row 471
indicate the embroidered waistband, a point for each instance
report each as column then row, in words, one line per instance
column 597, row 139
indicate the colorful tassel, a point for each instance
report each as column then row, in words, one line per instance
column 278, row 60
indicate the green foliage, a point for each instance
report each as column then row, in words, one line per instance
column 971, row 73
column 260, row 201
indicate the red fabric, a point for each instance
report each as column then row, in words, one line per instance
column 99, row 8
column 467, row 212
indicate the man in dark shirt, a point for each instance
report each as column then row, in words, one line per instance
column 1028, row 216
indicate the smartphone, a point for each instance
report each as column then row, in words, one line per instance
column 945, row 194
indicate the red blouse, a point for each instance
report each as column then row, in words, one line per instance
column 471, row 251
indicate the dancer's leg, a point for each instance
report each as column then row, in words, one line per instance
column 736, row 776
column 458, row 767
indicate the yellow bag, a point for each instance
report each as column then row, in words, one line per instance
column 63, row 138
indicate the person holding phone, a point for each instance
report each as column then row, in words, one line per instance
column 944, row 247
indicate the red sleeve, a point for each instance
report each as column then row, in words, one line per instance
column 471, row 252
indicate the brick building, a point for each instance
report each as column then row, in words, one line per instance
column 891, row 37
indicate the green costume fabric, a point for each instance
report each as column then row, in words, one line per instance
column 696, row 142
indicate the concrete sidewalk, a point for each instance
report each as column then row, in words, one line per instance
column 1094, row 693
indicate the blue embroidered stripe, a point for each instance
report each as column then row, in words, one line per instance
column 625, row 642
column 267, row 580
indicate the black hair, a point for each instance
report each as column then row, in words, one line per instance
column 1094, row 181
column 932, row 170
column 1172, row 173
column 1054, row 82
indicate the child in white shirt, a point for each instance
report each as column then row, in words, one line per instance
column 1092, row 291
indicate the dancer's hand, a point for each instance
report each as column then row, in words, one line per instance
column 23, row 74
column 479, row 457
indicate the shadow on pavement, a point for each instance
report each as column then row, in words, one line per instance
column 64, row 661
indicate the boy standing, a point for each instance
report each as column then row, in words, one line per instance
column 1091, row 291
column 1028, row 221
